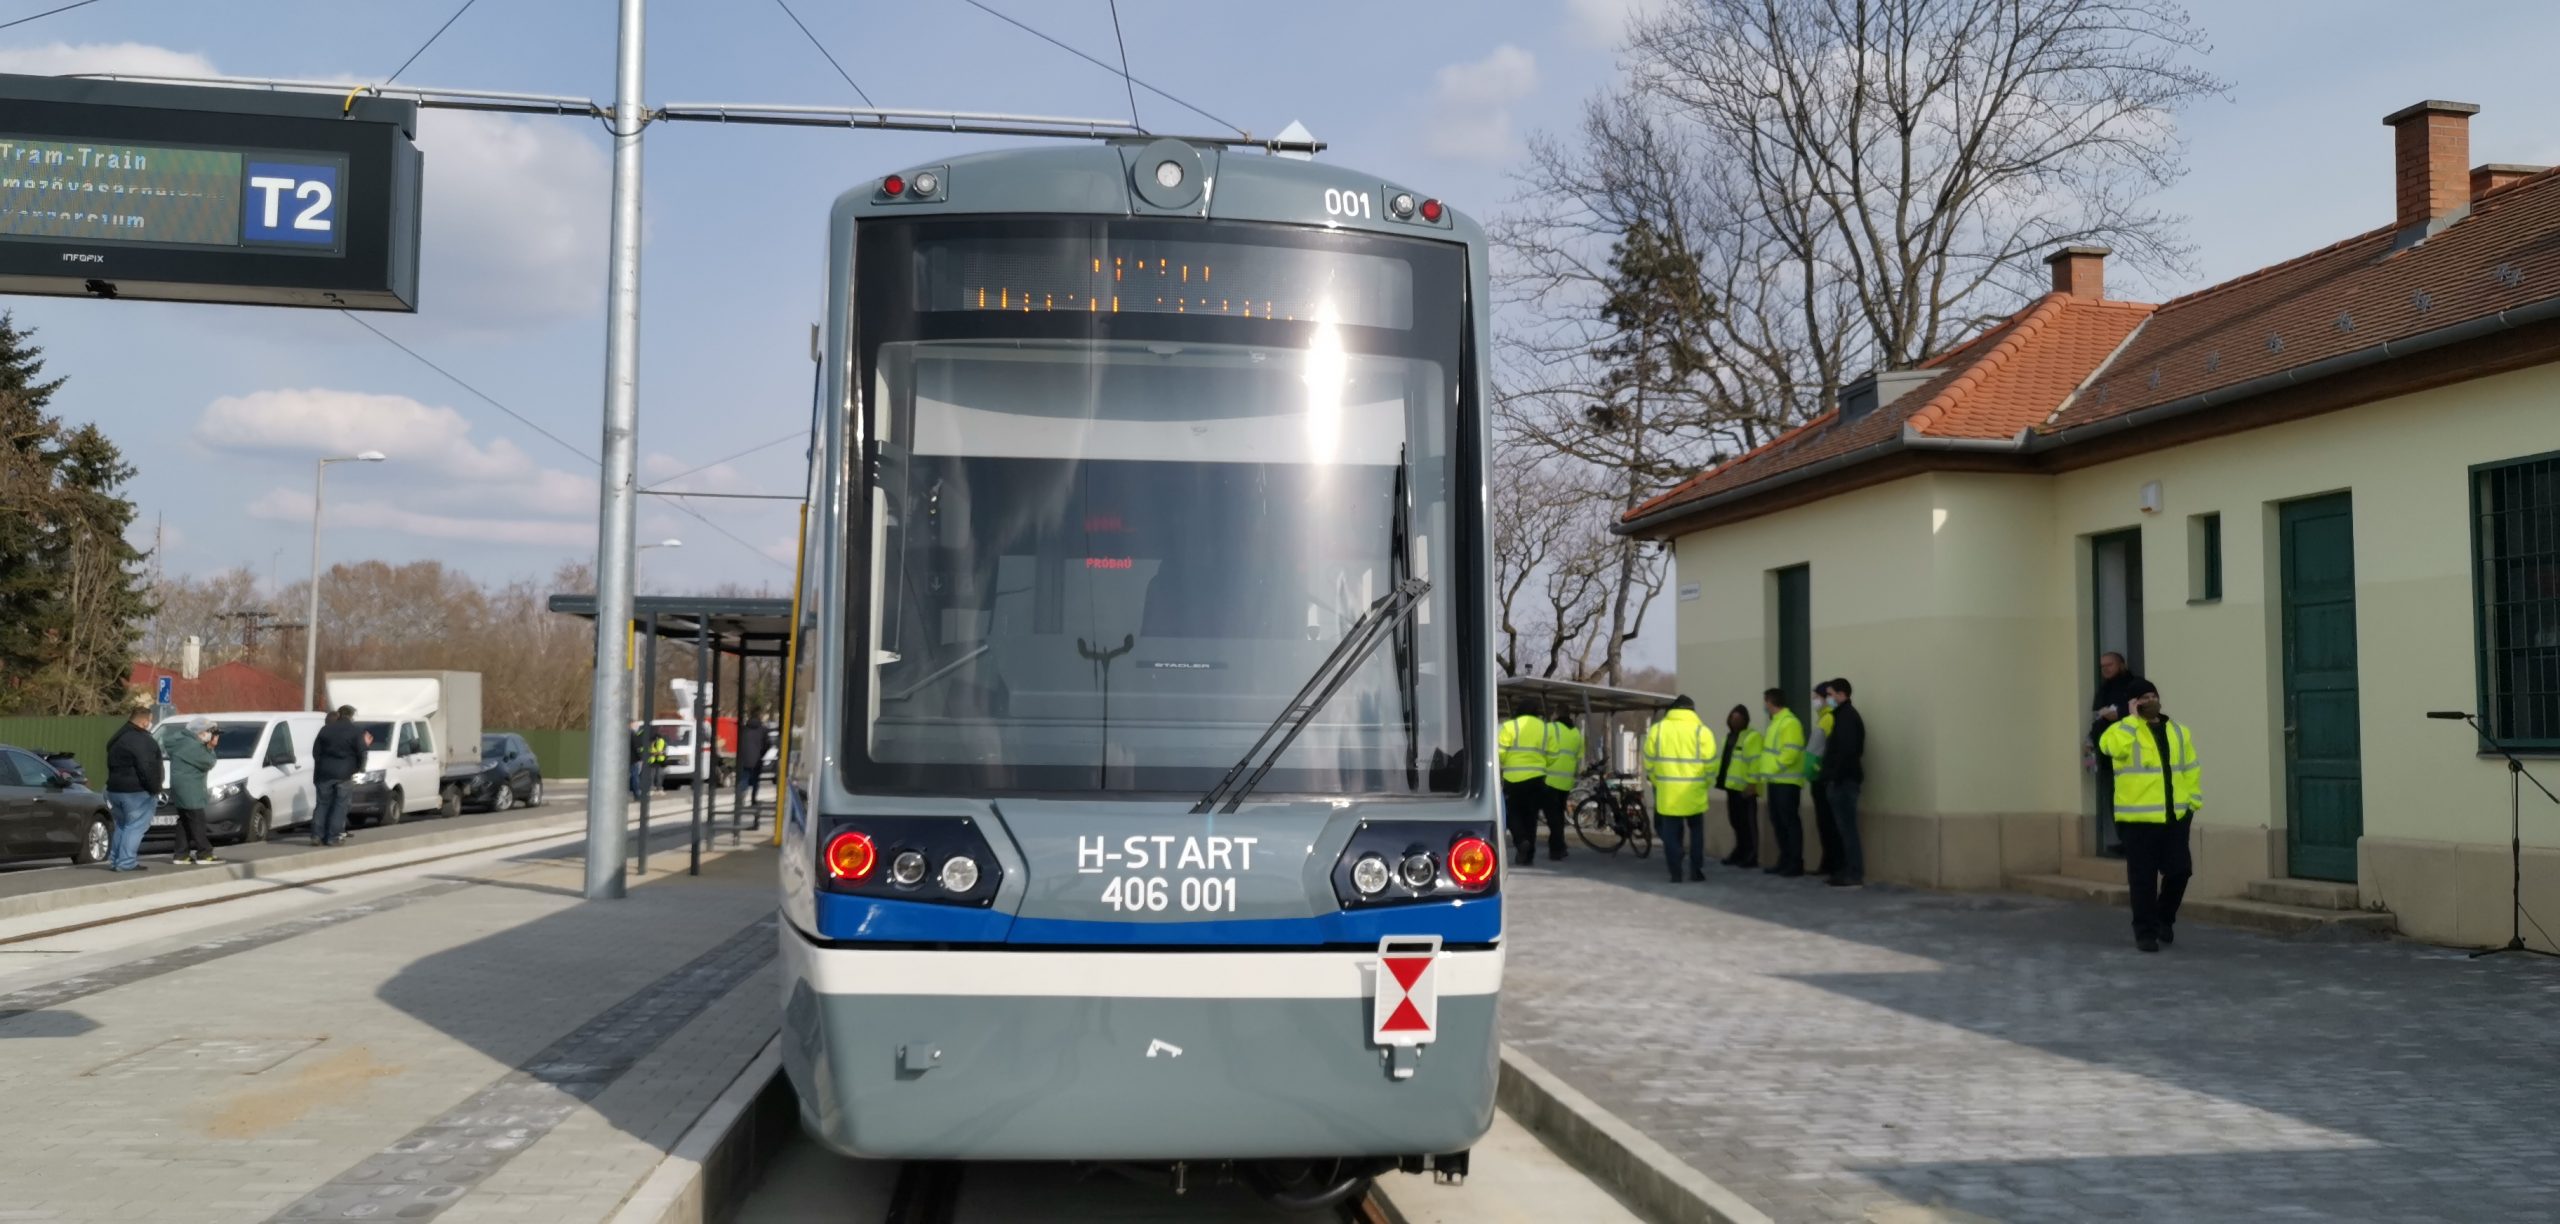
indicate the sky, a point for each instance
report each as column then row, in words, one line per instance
column 224, row 408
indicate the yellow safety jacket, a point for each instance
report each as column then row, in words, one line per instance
column 1782, row 751
column 1564, row 754
column 1742, row 775
column 1523, row 745
column 657, row 751
column 1679, row 756
column 2146, row 786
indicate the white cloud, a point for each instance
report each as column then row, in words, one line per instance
column 1604, row 23
column 292, row 506
column 314, row 421
column 515, row 219
column 140, row 59
column 1469, row 116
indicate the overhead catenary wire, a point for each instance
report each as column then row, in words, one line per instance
column 1103, row 64
column 1125, row 85
column 858, row 91
column 528, row 422
column 431, row 41
column 4, row 25
column 661, row 486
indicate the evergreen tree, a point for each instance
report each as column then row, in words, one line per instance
column 71, row 587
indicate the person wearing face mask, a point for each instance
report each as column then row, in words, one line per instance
column 2158, row 791
column 1738, row 776
column 1782, row 769
column 1844, row 779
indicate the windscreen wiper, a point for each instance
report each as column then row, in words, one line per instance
column 1354, row 649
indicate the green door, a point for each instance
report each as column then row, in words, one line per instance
column 2324, row 767
column 1795, row 638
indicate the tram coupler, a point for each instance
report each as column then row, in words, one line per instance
column 1449, row 1169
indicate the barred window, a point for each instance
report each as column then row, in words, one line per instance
column 2515, row 535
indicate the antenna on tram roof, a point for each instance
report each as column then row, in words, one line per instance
column 1294, row 142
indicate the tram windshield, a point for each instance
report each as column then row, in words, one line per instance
column 1132, row 482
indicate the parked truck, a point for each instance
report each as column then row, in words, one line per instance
column 426, row 740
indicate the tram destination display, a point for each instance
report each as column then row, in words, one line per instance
column 126, row 190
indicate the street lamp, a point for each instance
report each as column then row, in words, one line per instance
column 311, row 621
column 669, row 542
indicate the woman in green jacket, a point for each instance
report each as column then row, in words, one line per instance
column 190, row 753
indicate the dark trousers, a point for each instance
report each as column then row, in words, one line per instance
column 1847, row 853
column 1521, row 804
column 1742, row 811
column 750, row 775
column 1826, row 830
column 1786, row 826
column 1551, row 805
column 329, row 818
column 2156, row 866
column 1679, row 833
column 191, row 836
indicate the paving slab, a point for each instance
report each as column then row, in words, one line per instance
column 1897, row 1055
column 464, row 1040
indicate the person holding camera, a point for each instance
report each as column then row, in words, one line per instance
column 2158, row 791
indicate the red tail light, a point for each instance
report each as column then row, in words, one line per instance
column 1471, row 862
column 893, row 185
column 1430, row 210
column 851, row 856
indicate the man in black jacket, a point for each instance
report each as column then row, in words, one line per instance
column 1844, row 775
column 134, row 777
column 2117, row 687
column 752, row 741
column 337, row 756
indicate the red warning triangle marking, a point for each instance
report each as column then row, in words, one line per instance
column 1405, row 1020
column 1408, row 969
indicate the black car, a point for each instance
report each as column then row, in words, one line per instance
column 48, row 813
column 509, row 775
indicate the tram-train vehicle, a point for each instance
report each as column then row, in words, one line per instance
column 1142, row 806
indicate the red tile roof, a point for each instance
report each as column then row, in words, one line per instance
column 2064, row 362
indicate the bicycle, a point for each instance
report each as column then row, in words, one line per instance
column 1607, row 813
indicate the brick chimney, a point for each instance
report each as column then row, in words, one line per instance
column 2430, row 160
column 2080, row 271
column 2491, row 176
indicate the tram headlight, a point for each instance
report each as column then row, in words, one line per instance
column 926, row 182
column 1419, row 872
column 1471, row 862
column 959, row 873
column 1369, row 875
column 851, row 856
column 907, row 869
column 1168, row 174
column 1401, row 204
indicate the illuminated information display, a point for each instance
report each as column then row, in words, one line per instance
column 102, row 192
column 1237, row 280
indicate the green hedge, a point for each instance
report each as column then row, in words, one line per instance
column 86, row 737
column 563, row 753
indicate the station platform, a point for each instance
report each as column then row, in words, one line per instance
column 460, row 1037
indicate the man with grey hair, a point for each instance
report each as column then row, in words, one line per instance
column 189, row 749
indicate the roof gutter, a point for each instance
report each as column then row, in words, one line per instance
column 2030, row 442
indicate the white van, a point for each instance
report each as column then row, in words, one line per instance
column 262, row 776
column 403, row 775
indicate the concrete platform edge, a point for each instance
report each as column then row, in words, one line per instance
column 545, row 824
column 1656, row 1182
column 711, row 1169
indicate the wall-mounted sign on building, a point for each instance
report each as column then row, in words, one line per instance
column 118, row 189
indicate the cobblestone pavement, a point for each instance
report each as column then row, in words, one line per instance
column 1900, row 1056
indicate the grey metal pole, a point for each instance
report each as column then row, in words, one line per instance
column 706, row 738
column 311, row 615
column 608, row 749
column 649, row 779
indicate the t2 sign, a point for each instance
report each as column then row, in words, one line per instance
column 290, row 203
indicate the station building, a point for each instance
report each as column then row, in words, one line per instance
column 2311, row 504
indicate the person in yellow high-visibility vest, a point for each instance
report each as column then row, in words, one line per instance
column 1521, row 749
column 1564, row 763
column 1782, row 770
column 1678, row 752
column 2159, row 788
column 1738, row 776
